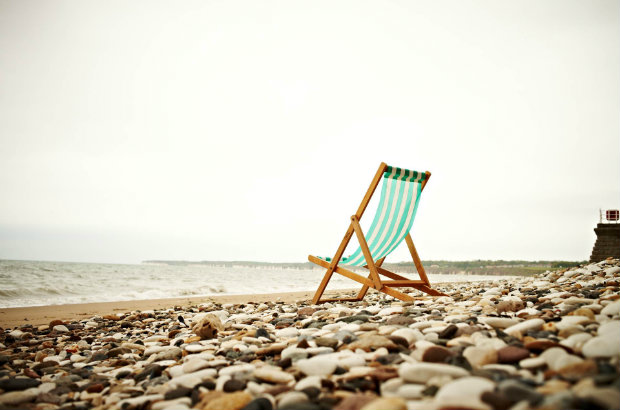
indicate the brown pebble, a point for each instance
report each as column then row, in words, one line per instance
column 386, row 403
column 207, row 397
column 577, row 371
column 371, row 342
column 449, row 332
column 31, row 373
column 355, row 402
column 583, row 312
column 56, row 322
column 277, row 389
column 229, row 401
column 512, row 354
column 436, row 354
column 384, row 373
column 306, row 311
column 95, row 388
column 540, row 345
column 509, row 306
column 208, row 327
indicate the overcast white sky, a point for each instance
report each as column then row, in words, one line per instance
column 250, row 130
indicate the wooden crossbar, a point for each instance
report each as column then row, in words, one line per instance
column 342, row 271
column 402, row 283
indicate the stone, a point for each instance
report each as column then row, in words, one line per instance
column 260, row 403
column 168, row 354
column 421, row 372
column 317, row 366
column 532, row 363
column 410, row 335
column 498, row 322
column 287, row 333
column 306, row 311
column 139, row 401
column 436, row 354
column 355, row 401
column 610, row 329
column 516, row 391
column 523, row 327
column 579, row 370
column 18, row 383
column 449, row 332
column 294, row 353
column 372, row 342
column 538, row 346
column 309, row 381
column 208, row 327
column 411, row 391
column 386, row 403
column 553, row 386
column 583, row 312
column 273, row 374
column 349, row 361
column 291, row 398
column 400, row 320
column 601, row 346
column 228, row 401
column 512, row 354
column 480, row 356
column 509, row 306
column 176, row 393
column 464, row 393
column 233, row 385
column 604, row 397
column 326, row 342
column 18, row 397
column 192, row 379
column 55, row 322
column 496, row 400
column 611, row 309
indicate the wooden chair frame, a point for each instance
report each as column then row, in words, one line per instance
column 373, row 280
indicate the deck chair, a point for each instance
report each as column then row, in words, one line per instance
column 397, row 207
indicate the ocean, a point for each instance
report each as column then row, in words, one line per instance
column 38, row 283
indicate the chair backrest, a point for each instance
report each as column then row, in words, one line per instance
column 397, row 207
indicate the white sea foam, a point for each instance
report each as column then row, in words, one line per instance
column 33, row 283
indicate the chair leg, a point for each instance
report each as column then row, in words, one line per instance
column 367, row 255
column 333, row 264
column 416, row 259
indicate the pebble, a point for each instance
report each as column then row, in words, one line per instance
column 386, row 403
column 464, row 393
column 531, row 324
column 421, row 372
column 543, row 342
column 273, row 374
column 317, row 366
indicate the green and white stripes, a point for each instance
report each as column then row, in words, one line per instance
column 397, row 207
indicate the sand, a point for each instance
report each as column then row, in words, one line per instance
column 43, row 315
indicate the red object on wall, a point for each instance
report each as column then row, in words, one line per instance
column 612, row 214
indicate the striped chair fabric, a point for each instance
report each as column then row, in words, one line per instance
column 397, row 207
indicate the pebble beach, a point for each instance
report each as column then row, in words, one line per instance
column 551, row 341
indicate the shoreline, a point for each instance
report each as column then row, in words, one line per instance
column 43, row 315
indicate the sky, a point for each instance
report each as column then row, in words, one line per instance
column 250, row 130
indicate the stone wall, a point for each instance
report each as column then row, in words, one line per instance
column 607, row 242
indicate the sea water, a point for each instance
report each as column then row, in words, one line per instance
column 37, row 283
